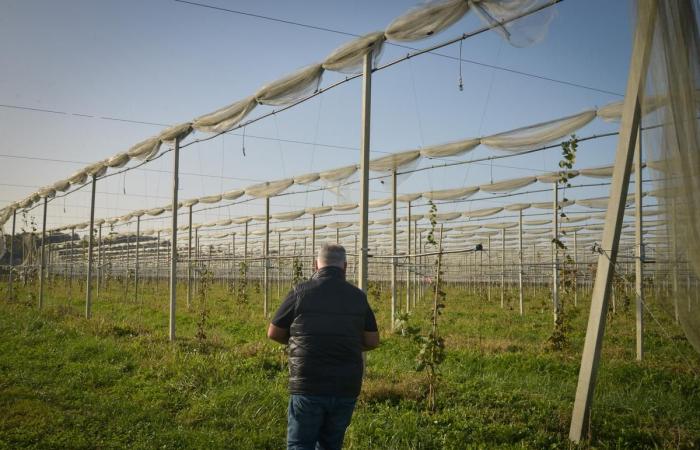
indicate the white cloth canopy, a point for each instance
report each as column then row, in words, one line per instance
column 451, row 194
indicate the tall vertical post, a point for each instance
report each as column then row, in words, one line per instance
column 157, row 261
column 627, row 140
column 173, row 240
column 364, row 169
column 43, row 256
column 91, row 239
column 639, row 244
column 266, row 295
column 136, row 266
column 555, row 253
column 521, row 304
column 393, row 248
column 189, row 257
column 12, row 254
column 279, row 265
column 99, row 259
column 503, row 268
column 575, row 269
column 409, row 237
column 313, row 242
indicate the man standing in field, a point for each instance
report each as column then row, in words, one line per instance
column 327, row 323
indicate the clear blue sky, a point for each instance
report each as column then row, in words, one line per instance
column 166, row 62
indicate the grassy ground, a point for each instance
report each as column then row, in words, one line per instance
column 115, row 381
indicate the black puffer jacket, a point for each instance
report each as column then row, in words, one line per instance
column 325, row 343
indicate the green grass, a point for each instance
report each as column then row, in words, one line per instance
column 115, row 381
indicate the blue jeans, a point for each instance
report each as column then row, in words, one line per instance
column 318, row 422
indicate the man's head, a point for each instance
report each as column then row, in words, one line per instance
column 331, row 255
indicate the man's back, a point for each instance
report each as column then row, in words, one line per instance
column 327, row 318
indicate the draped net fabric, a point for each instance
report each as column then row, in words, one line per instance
column 426, row 20
column 349, row 57
column 339, row 174
column 451, row 194
column 307, row 178
column 484, row 212
column 345, row 207
column 225, row 118
column 292, row 87
column 535, row 136
column 675, row 75
column 393, row 161
column 523, row 32
column 508, row 185
column 450, row 149
column 268, row 188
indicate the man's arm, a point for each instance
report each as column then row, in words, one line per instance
column 278, row 334
column 370, row 340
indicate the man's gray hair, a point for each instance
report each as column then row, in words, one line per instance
column 331, row 255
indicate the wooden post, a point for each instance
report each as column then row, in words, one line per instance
column 364, row 170
column 627, row 140
column 88, row 285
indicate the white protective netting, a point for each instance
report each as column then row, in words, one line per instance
column 450, row 149
column 378, row 203
column 523, row 32
column 225, row 118
column 345, row 207
column 675, row 76
column 292, row 87
column 405, row 198
column 307, row 178
column 268, row 188
column 451, row 194
column 393, row 161
column 319, row 210
column 517, row 207
column 291, row 215
column 483, row 212
column 233, row 194
column 535, row 136
column 508, row 185
column 349, row 58
column 426, row 20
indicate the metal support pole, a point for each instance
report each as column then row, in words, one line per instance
column 575, row 269
column 266, row 296
column 313, row 243
column 12, row 254
column 99, row 260
column 173, row 240
column 521, row 302
column 408, row 260
column 158, row 262
column 555, row 254
column 629, row 125
column 364, row 169
column 393, row 248
column 503, row 268
column 91, row 239
column 43, row 256
column 136, row 267
column 189, row 258
column 639, row 260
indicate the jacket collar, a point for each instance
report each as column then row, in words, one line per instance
column 330, row 272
